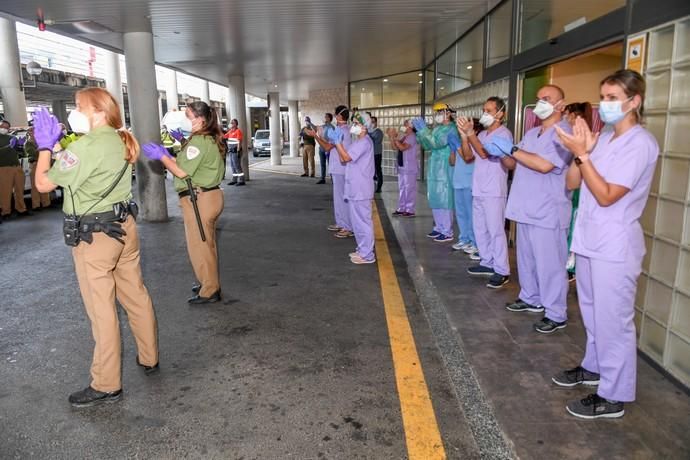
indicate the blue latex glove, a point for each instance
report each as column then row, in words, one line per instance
column 46, row 129
column 453, row 143
column 154, row 151
column 335, row 136
column 13, row 142
column 419, row 124
column 177, row 134
column 499, row 147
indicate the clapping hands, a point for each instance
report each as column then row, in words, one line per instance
column 581, row 141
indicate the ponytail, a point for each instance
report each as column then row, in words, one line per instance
column 131, row 146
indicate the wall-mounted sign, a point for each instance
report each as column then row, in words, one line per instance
column 636, row 51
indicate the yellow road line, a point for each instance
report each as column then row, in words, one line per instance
column 422, row 434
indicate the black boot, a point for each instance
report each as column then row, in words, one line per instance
column 198, row 300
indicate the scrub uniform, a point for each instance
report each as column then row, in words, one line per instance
column 609, row 247
column 337, row 170
column 202, row 161
column 106, row 269
column 462, row 187
column 439, row 176
column 358, row 193
column 540, row 205
column 407, row 176
column 489, row 192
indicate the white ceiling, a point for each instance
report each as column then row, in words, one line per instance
column 297, row 44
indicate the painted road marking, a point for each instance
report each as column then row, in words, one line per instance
column 422, row 435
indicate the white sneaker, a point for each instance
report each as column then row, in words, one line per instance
column 470, row 249
column 475, row 256
column 460, row 246
column 357, row 259
column 352, row 254
column 333, row 228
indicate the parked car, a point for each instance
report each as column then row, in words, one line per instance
column 262, row 143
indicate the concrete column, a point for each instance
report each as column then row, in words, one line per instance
column 274, row 127
column 294, row 124
column 11, row 75
column 236, row 108
column 171, row 90
column 113, row 80
column 60, row 110
column 205, row 92
column 143, row 108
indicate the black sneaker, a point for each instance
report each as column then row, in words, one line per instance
column 520, row 305
column 480, row 270
column 196, row 288
column 547, row 326
column 199, row 300
column 148, row 370
column 89, row 397
column 594, row 406
column 321, row 181
column 497, row 281
column 575, row 376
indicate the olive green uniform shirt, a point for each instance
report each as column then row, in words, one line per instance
column 31, row 150
column 202, row 161
column 8, row 155
column 90, row 166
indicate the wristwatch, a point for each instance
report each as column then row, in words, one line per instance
column 514, row 149
column 582, row 159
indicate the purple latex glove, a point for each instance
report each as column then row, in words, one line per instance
column 46, row 129
column 13, row 142
column 21, row 142
column 154, row 151
column 177, row 134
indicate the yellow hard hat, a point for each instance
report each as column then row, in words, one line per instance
column 442, row 106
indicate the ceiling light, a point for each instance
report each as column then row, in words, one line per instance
column 419, row 74
column 275, row 86
column 420, row 82
column 385, row 80
column 469, row 67
column 443, row 87
column 362, row 89
column 438, row 79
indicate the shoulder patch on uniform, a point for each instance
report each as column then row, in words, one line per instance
column 192, row 152
column 67, row 160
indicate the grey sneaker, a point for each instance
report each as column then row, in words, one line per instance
column 497, row 281
column 480, row 270
column 576, row 376
column 520, row 305
column 594, row 406
column 547, row 326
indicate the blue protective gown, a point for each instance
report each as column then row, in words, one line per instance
column 439, row 174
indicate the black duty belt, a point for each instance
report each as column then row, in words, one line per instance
column 108, row 216
column 184, row 193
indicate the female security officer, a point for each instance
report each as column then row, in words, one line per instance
column 201, row 161
column 441, row 141
column 615, row 172
column 96, row 172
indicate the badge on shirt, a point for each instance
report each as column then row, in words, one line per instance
column 192, row 152
column 67, row 160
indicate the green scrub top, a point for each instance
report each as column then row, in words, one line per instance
column 202, row 161
column 90, row 166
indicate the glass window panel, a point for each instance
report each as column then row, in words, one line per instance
column 541, row 20
column 638, row 323
column 648, row 218
column 648, row 243
column 664, row 261
column 659, row 297
column 401, row 89
column 678, row 133
column 683, row 281
column 674, row 181
column 447, row 77
column 681, row 315
column 681, row 89
column 669, row 219
column 641, row 291
column 679, row 357
column 429, row 84
column 656, row 178
column 658, row 87
column 656, row 124
column 461, row 66
column 683, row 41
column 653, row 338
column 660, row 47
column 366, row 93
column 499, row 33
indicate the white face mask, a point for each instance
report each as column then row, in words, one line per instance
column 486, row 120
column 356, row 130
column 4, row 130
column 79, row 122
column 403, row 129
column 543, row 109
column 186, row 126
column 439, row 118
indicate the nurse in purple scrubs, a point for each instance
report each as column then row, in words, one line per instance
column 358, row 158
column 614, row 171
column 407, row 166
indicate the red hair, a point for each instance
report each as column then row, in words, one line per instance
column 101, row 100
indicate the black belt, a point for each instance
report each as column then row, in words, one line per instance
column 108, row 216
column 184, row 193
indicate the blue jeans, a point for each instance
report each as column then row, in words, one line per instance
column 463, row 215
column 322, row 162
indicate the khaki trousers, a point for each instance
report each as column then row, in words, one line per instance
column 308, row 159
column 106, row 270
column 203, row 255
column 11, row 179
column 38, row 200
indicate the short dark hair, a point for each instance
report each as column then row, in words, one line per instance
column 343, row 112
column 329, row 116
column 234, row 120
column 375, row 120
column 500, row 103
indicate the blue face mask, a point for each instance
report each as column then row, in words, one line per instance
column 611, row 112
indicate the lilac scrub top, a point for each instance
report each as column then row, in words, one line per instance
column 490, row 177
column 334, row 164
column 410, row 160
column 359, row 172
column 614, row 232
column 542, row 199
